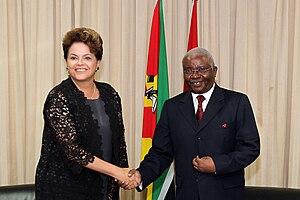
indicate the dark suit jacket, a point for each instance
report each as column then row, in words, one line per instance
column 227, row 133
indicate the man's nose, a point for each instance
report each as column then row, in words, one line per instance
column 195, row 74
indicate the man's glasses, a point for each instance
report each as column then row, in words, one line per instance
column 198, row 70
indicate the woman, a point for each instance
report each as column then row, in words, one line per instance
column 83, row 149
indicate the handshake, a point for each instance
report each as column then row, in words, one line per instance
column 129, row 178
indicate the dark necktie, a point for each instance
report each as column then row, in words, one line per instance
column 199, row 113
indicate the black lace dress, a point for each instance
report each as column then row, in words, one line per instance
column 67, row 146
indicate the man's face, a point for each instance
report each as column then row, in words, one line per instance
column 198, row 74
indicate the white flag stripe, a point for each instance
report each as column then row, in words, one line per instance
column 167, row 183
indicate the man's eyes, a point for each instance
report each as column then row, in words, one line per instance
column 197, row 70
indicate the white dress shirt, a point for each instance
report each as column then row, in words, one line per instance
column 206, row 95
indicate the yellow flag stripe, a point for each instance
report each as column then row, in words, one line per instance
column 149, row 191
column 146, row 145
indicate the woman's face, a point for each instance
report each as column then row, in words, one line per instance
column 81, row 63
column 198, row 74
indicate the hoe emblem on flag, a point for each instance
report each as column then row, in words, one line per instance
column 151, row 93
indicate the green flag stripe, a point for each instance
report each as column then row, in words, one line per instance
column 163, row 92
column 163, row 82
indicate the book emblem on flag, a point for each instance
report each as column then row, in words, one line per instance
column 151, row 93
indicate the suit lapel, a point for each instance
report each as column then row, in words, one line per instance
column 215, row 103
column 187, row 110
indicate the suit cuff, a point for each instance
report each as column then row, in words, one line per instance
column 140, row 187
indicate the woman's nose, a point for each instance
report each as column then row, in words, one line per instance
column 80, row 62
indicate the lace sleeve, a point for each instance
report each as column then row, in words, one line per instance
column 57, row 114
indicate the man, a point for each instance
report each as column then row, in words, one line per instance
column 210, row 155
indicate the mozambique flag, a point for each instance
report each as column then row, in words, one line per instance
column 193, row 34
column 156, row 93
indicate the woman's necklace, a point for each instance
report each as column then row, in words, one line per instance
column 94, row 91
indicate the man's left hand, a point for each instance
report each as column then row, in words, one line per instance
column 204, row 164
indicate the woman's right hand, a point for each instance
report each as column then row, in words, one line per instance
column 129, row 178
column 125, row 179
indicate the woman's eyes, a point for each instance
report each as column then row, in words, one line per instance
column 84, row 58
column 73, row 58
column 87, row 58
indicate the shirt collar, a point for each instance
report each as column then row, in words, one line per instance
column 206, row 95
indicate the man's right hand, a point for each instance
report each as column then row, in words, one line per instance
column 134, row 180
